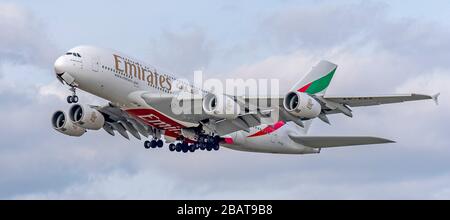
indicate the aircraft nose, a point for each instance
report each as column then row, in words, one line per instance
column 60, row 65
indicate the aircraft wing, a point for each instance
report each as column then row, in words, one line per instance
column 336, row 141
column 350, row 101
column 256, row 108
column 118, row 120
column 196, row 115
column 334, row 104
column 357, row 101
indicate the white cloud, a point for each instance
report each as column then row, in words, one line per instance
column 60, row 91
column 54, row 89
column 182, row 52
column 300, row 185
column 23, row 38
column 321, row 26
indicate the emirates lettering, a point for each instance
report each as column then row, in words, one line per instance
column 136, row 70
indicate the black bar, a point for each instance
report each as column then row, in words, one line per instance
column 219, row 208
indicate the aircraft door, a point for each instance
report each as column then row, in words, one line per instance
column 274, row 137
column 95, row 64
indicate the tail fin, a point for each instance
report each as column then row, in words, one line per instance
column 317, row 80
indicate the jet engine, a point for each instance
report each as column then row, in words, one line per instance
column 86, row 117
column 301, row 105
column 221, row 106
column 61, row 123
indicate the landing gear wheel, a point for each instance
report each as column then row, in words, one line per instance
column 185, row 147
column 160, row 143
column 210, row 139
column 153, row 144
column 200, row 139
column 209, row 147
column 217, row 139
column 192, row 148
column 178, row 147
column 216, row 147
column 201, row 146
column 172, row 147
column 147, row 144
column 74, row 99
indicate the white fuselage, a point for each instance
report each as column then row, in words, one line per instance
column 120, row 79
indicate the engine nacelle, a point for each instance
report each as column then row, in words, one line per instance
column 61, row 123
column 301, row 105
column 86, row 117
column 221, row 106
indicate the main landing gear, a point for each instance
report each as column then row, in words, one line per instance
column 73, row 98
column 204, row 142
column 155, row 143
column 183, row 147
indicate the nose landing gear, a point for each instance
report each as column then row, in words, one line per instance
column 73, row 98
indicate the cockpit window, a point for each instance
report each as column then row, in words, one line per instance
column 73, row 54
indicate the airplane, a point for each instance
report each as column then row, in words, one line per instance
column 141, row 103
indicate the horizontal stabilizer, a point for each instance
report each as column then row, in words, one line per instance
column 330, row 141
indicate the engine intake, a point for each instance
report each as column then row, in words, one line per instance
column 86, row 117
column 302, row 105
column 221, row 106
column 61, row 123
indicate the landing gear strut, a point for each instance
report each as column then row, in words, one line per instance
column 73, row 98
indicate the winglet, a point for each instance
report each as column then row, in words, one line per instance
column 436, row 98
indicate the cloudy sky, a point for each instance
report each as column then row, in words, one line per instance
column 381, row 47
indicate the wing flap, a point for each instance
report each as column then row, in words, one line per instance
column 243, row 123
column 336, row 141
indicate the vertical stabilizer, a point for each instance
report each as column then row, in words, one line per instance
column 316, row 82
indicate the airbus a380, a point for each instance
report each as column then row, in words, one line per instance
column 141, row 101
